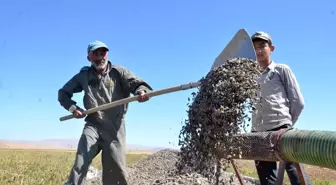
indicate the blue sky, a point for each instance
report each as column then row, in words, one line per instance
column 43, row 44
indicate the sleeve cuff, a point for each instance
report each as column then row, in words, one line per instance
column 142, row 88
column 72, row 108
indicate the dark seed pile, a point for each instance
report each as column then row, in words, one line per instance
column 218, row 111
column 159, row 169
column 157, row 166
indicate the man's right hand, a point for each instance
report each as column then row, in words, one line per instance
column 78, row 114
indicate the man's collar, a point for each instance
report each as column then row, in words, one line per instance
column 271, row 66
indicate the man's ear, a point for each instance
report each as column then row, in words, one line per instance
column 272, row 48
column 88, row 58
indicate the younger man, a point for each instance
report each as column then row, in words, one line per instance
column 280, row 107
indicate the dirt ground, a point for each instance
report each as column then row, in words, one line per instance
column 156, row 169
column 314, row 172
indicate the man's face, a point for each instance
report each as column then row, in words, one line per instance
column 98, row 58
column 263, row 50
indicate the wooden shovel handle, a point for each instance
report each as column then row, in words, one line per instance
column 135, row 98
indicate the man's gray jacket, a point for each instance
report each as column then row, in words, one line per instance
column 116, row 84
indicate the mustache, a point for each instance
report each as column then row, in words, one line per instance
column 99, row 62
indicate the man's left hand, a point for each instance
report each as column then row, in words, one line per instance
column 142, row 97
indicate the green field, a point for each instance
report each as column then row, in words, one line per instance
column 51, row 167
column 41, row 167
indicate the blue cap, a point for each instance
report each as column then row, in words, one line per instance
column 95, row 45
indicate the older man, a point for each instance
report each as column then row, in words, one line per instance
column 280, row 107
column 104, row 131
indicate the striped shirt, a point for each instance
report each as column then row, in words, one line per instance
column 281, row 100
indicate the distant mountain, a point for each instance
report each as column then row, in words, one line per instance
column 63, row 143
column 48, row 144
column 133, row 147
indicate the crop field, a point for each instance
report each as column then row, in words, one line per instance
column 41, row 167
column 51, row 167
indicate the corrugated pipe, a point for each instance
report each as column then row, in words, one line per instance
column 300, row 146
column 309, row 147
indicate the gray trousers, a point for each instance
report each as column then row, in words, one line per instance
column 92, row 141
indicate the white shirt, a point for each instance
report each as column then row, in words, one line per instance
column 281, row 99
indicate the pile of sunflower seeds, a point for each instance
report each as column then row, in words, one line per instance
column 218, row 112
column 157, row 166
column 159, row 169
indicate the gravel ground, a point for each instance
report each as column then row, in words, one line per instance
column 159, row 169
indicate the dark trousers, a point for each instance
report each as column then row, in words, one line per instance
column 267, row 171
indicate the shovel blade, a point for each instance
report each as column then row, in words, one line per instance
column 240, row 46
